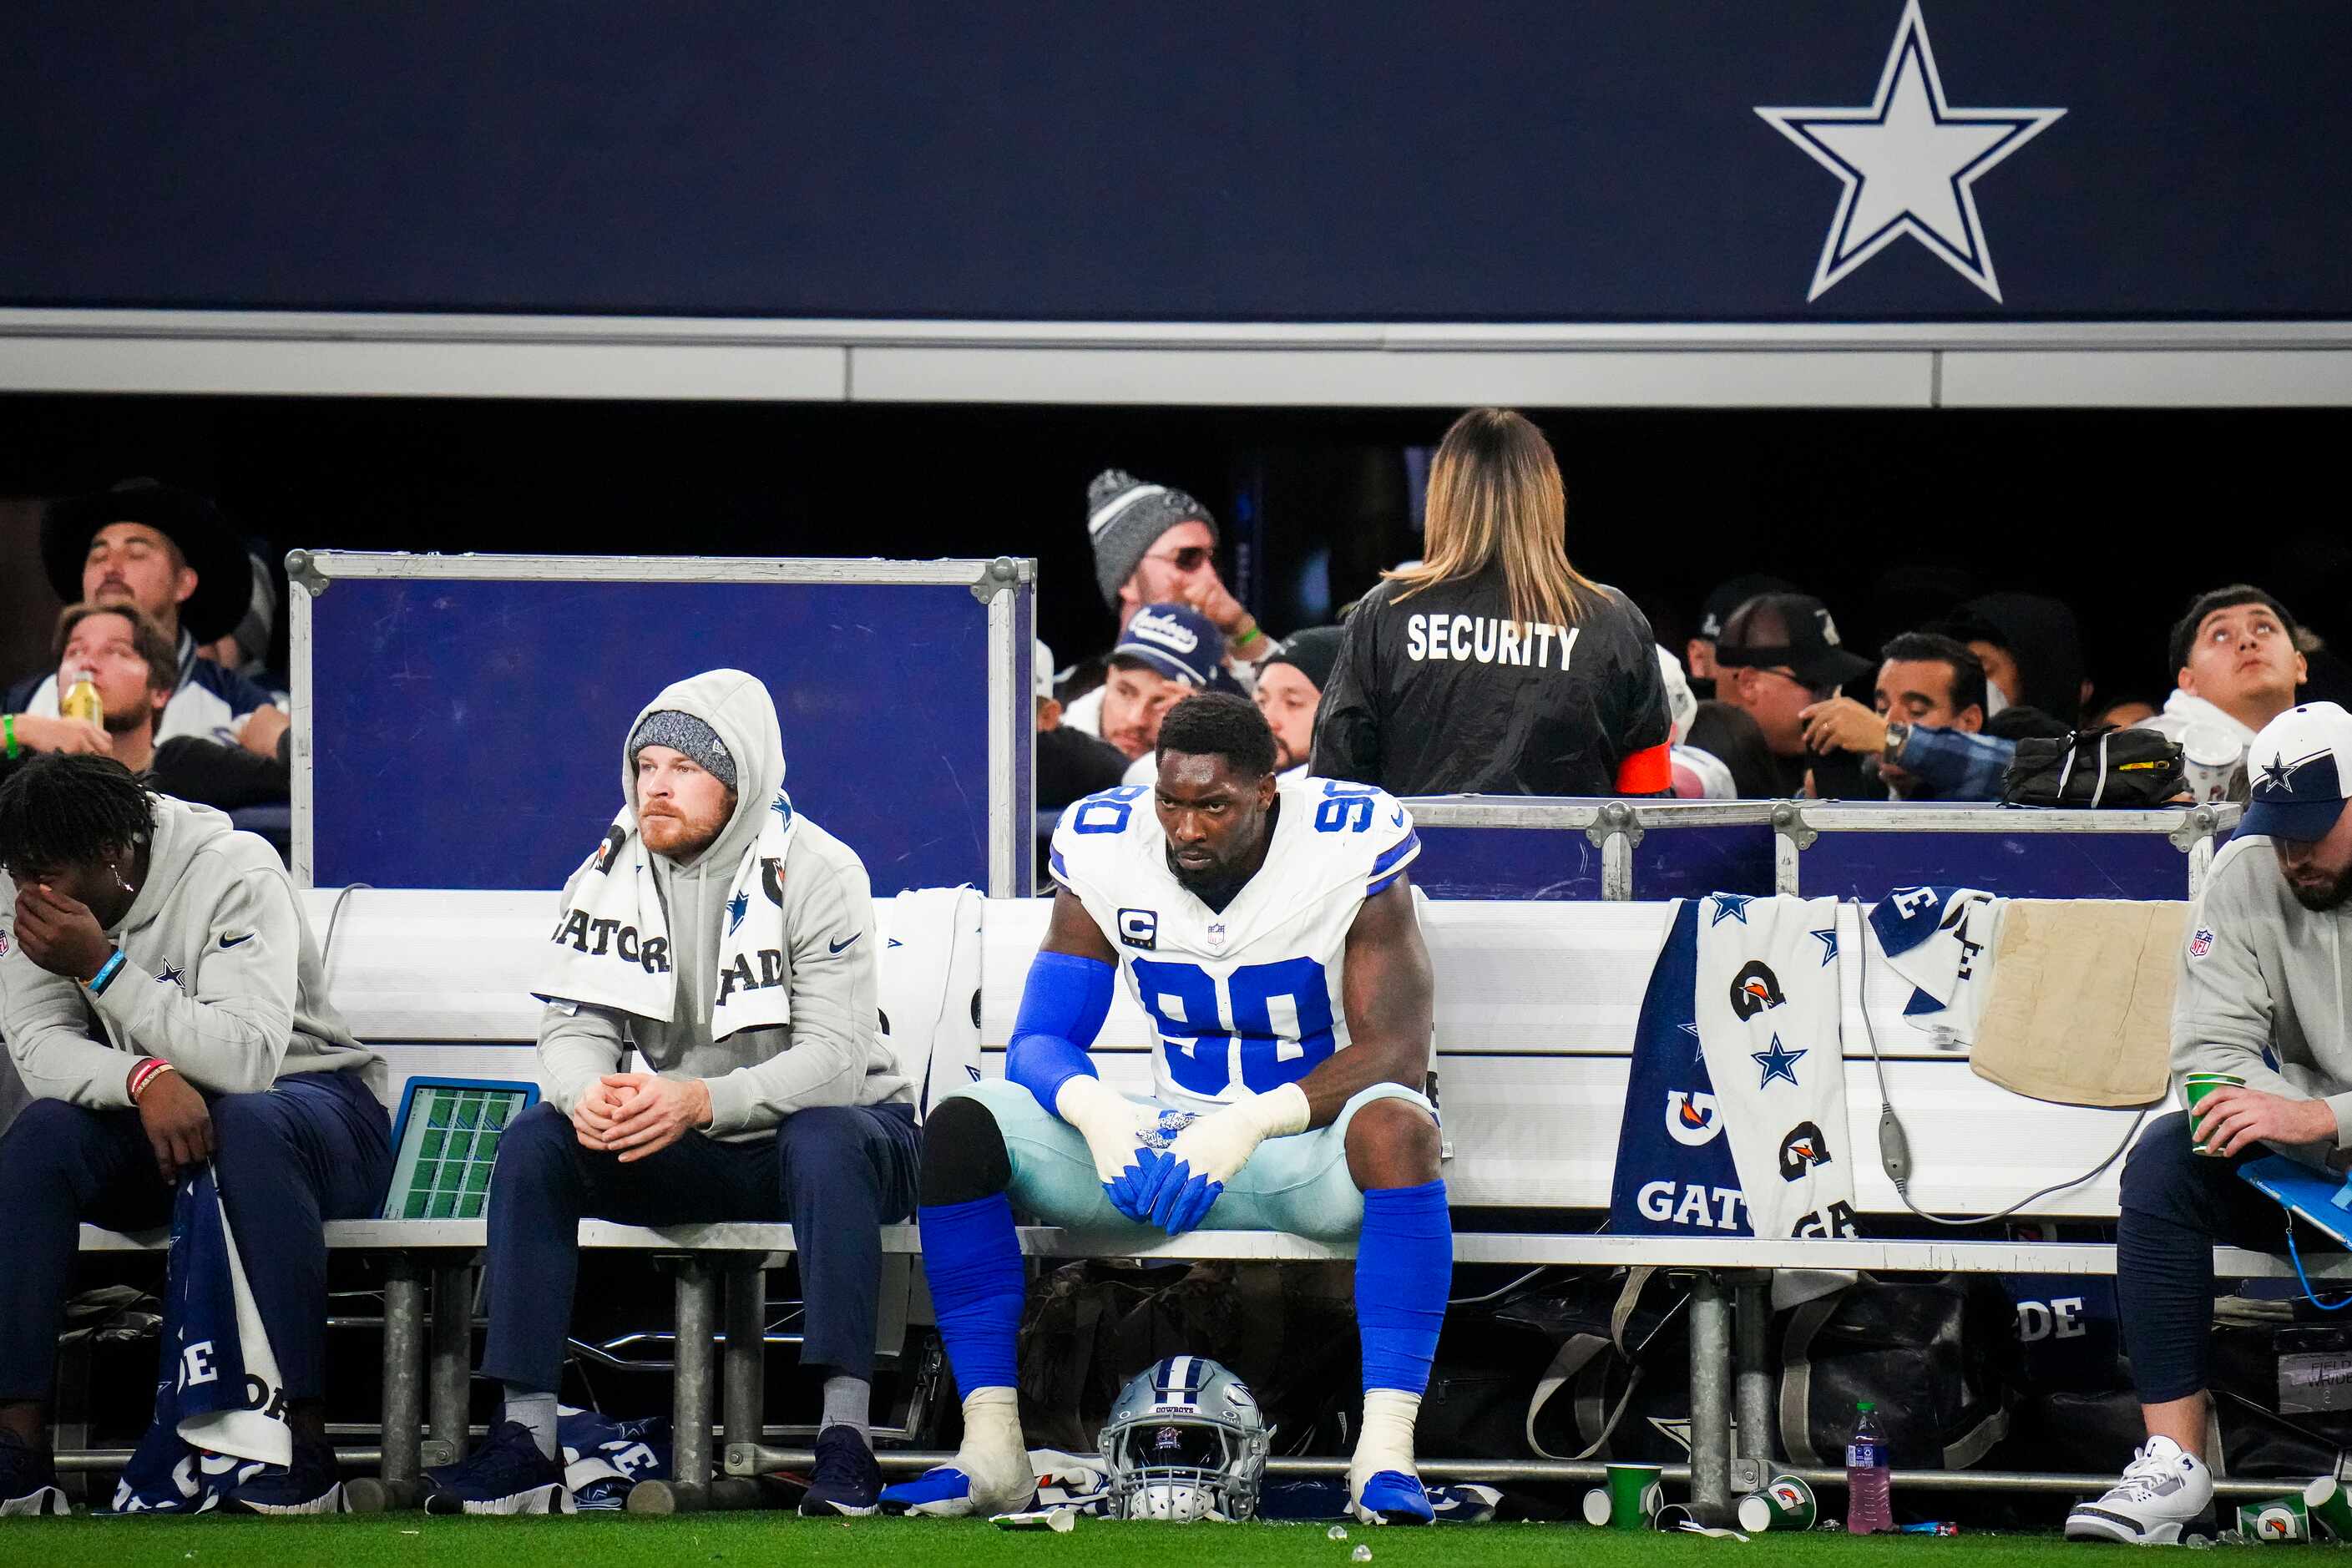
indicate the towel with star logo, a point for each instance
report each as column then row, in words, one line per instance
column 612, row 945
column 1735, row 1120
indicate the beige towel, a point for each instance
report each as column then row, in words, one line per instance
column 2081, row 1010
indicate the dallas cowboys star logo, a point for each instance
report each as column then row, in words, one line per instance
column 782, row 806
column 735, row 908
column 2276, row 774
column 1909, row 164
column 1778, row 1062
column 1827, row 939
column 173, row 976
column 1731, row 906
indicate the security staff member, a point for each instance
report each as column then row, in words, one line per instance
column 1494, row 666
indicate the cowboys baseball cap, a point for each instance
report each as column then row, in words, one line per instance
column 1176, row 640
column 2300, row 769
column 1807, row 640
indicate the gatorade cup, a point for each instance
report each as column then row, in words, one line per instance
column 2195, row 1087
column 2279, row 1519
column 2329, row 1508
column 1635, row 1495
column 1785, row 1503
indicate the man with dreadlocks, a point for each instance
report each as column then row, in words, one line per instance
column 164, row 999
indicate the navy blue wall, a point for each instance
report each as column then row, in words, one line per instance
column 1461, row 161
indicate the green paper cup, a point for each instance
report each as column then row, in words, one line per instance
column 2325, row 1500
column 1635, row 1495
column 2279, row 1519
column 2195, row 1087
column 1785, row 1503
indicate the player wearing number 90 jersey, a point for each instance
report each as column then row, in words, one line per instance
column 1245, row 998
column 1268, row 929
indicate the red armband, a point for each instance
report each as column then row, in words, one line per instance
column 1647, row 772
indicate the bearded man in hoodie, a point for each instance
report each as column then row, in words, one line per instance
column 163, row 1001
column 730, row 941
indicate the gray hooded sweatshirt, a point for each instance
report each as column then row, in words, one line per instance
column 832, row 1052
column 220, row 978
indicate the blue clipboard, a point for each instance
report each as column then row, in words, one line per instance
column 2315, row 1196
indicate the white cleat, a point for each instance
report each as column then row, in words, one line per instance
column 36, row 1503
column 2162, row 1492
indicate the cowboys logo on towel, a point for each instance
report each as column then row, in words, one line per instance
column 603, row 1455
column 220, row 1407
column 1734, row 1115
column 1941, row 940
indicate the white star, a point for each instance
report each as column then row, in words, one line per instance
column 1909, row 164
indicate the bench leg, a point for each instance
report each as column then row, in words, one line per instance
column 743, row 1382
column 450, row 1380
column 1710, row 1401
column 403, row 1391
column 698, row 1320
column 1751, row 1325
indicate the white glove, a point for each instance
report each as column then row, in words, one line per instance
column 1221, row 1143
column 1114, row 1126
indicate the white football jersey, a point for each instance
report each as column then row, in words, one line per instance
column 1246, row 998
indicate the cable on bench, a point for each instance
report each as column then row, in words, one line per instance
column 1894, row 1145
column 334, row 913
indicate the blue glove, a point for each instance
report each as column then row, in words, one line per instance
column 1178, row 1200
column 1130, row 1194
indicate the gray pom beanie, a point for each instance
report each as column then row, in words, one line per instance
column 1124, row 517
column 684, row 733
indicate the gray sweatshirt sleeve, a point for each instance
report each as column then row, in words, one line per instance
column 829, row 926
column 226, row 1023
column 2223, row 1015
column 577, row 1045
column 48, row 1030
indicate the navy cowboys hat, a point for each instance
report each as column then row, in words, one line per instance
column 2300, row 770
column 1176, row 640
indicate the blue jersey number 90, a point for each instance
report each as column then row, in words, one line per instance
column 1346, row 807
column 1108, row 812
column 1200, row 1030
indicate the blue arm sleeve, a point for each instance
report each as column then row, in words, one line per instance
column 1062, row 1009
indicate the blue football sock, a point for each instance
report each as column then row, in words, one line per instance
column 973, row 1259
column 1404, row 1268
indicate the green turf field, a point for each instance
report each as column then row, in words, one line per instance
column 761, row 1539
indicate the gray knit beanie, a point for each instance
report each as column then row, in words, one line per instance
column 684, row 733
column 1124, row 517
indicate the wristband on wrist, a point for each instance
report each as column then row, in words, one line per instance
column 8, row 724
column 1248, row 637
column 98, row 982
column 149, row 1069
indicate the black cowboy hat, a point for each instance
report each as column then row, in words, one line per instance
column 223, row 580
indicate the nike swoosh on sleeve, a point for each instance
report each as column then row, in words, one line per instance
column 228, row 941
column 835, row 947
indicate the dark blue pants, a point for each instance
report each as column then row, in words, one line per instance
column 2176, row 1208
column 316, row 1146
column 838, row 1173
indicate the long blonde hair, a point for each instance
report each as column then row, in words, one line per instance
column 1495, row 493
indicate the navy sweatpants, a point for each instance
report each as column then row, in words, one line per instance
column 314, row 1146
column 2176, row 1208
column 838, row 1173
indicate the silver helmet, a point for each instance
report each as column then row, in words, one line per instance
column 1185, row 1441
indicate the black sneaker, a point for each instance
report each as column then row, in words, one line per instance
column 846, row 1480
column 507, row 1474
column 29, row 1480
column 311, row 1484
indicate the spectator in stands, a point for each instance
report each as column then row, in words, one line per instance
column 1155, row 546
column 1923, row 730
column 1494, row 664
column 2122, row 713
column 2263, row 979
column 731, row 943
column 167, row 554
column 1167, row 653
column 2029, row 650
column 246, row 649
column 2238, row 662
column 163, row 1001
column 1698, row 654
column 1290, row 689
column 132, row 664
column 1779, row 656
column 1071, row 764
column 1742, row 766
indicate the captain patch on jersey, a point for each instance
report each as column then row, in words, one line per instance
column 1246, row 998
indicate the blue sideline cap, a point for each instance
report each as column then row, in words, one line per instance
column 2300, row 768
column 1177, row 640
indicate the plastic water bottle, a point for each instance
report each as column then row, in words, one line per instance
column 79, row 699
column 1867, row 1505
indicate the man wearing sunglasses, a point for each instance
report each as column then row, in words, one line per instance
column 1777, row 655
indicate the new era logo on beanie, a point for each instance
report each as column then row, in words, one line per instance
column 1177, row 640
column 688, row 736
column 2300, row 771
column 1124, row 517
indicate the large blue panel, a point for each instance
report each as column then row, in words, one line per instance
column 468, row 734
column 1551, row 863
column 1219, row 159
column 2027, row 865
